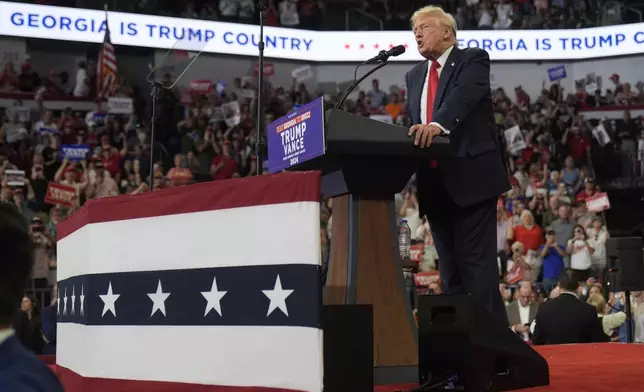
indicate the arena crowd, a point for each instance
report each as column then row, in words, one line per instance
column 544, row 223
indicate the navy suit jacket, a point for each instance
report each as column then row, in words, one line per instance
column 21, row 371
column 475, row 170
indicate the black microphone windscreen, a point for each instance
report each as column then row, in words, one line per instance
column 397, row 50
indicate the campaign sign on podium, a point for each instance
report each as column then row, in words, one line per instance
column 296, row 137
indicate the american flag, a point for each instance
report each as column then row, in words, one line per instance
column 106, row 73
column 176, row 291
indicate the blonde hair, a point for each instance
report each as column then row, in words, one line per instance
column 441, row 16
column 598, row 302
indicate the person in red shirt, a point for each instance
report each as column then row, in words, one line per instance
column 528, row 232
column 577, row 144
column 588, row 191
column 111, row 160
column 223, row 165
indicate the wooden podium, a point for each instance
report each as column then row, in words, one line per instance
column 366, row 163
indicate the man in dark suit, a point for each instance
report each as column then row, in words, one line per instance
column 20, row 370
column 566, row 319
column 450, row 95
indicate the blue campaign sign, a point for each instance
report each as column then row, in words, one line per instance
column 557, row 73
column 75, row 152
column 296, row 137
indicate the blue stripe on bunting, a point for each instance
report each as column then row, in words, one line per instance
column 247, row 299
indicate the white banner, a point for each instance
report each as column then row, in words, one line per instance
column 120, row 105
column 82, row 25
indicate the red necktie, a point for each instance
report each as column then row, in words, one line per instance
column 432, row 85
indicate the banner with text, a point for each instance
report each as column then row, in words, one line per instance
column 74, row 152
column 59, row 194
column 120, row 105
column 82, row 25
column 296, row 137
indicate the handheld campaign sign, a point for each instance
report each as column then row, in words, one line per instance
column 557, row 73
column 296, row 137
column 75, row 152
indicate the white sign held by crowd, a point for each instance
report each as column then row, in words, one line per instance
column 15, row 177
column 303, row 73
column 598, row 202
column 514, row 139
column 600, row 134
column 120, row 105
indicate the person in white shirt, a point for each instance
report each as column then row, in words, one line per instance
column 580, row 253
column 81, row 89
column 597, row 237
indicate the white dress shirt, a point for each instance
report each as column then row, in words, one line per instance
column 423, row 97
column 524, row 315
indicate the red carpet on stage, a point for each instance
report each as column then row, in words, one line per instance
column 585, row 367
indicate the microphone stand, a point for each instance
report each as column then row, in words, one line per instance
column 357, row 82
column 156, row 85
column 259, row 143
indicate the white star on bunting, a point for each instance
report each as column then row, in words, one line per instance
column 73, row 300
column 109, row 301
column 82, row 301
column 278, row 297
column 158, row 300
column 58, row 303
column 65, row 302
column 213, row 297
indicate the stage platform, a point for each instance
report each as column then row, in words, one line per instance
column 584, row 367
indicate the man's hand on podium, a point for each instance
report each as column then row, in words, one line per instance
column 424, row 134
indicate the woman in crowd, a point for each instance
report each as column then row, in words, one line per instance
column 580, row 253
column 597, row 237
column 611, row 321
column 33, row 329
column 519, row 268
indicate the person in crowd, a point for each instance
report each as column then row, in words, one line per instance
column 610, row 322
column 563, row 225
column 180, row 174
column 580, row 253
column 521, row 266
column 20, row 370
column 597, row 237
column 552, row 255
column 458, row 196
column 527, row 232
column 33, row 341
column 566, row 319
column 521, row 313
column 410, row 212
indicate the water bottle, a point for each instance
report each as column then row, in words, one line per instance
column 404, row 240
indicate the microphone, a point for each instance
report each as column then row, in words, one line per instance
column 385, row 54
column 380, row 59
